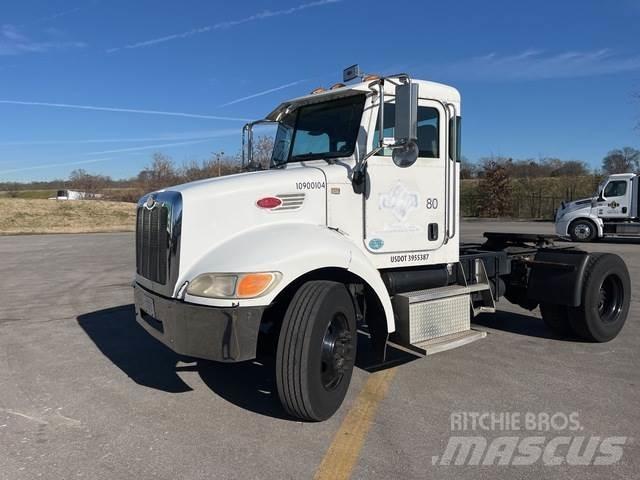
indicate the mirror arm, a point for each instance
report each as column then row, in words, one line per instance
column 359, row 168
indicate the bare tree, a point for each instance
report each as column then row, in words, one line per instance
column 467, row 169
column 83, row 181
column 160, row 174
column 495, row 188
column 262, row 149
column 622, row 160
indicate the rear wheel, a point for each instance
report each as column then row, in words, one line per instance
column 582, row 230
column 606, row 294
column 316, row 350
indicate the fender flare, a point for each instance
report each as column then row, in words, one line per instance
column 293, row 250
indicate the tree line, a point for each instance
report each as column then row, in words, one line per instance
column 492, row 186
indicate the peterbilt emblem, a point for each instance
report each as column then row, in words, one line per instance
column 150, row 203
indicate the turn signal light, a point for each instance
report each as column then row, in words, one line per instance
column 253, row 284
column 269, row 202
column 233, row 285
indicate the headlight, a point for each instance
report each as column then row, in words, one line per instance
column 233, row 285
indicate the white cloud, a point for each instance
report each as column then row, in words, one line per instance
column 121, row 110
column 537, row 65
column 227, row 24
column 52, row 165
column 14, row 42
column 264, row 92
column 151, row 147
column 56, row 15
column 196, row 135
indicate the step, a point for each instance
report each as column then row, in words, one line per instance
column 443, row 292
column 448, row 342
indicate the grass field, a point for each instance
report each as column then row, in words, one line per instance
column 62, row 216
column 41, row 194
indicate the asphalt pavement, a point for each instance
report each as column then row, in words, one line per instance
column 86, row 393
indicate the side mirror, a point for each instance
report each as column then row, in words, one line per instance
column 405, row 155
column 406, row 127
column 405, row 150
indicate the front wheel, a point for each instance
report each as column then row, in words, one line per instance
column 606, row 294
column 316, row 350
column 582, row 230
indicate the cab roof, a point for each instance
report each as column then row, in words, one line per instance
column 427, row 89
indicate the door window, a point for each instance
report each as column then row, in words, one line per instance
column 428, row 131
column 616, row 188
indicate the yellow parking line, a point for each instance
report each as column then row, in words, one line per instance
column 347, row 443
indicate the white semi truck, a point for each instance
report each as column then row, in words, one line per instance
column 614, row 210
column 353, row 228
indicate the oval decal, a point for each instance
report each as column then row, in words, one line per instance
column 376, row 243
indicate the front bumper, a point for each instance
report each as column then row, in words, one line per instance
column 220, row 334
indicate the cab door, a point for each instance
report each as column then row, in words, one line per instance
column 405, row 207
column 616, row 199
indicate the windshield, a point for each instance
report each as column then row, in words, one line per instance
column 322, row 130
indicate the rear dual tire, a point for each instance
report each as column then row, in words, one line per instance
column 606, row 294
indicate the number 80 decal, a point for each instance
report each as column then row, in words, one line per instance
column 432, row 203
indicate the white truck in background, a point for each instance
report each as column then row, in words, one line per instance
column 75, row 195
column 614, row 210
column 353, row 228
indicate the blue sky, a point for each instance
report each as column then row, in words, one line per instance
column 545, row 78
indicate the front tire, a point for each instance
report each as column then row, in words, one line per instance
column 582, row 230
column 316, row 350
column 606, row 294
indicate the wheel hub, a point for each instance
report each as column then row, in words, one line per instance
column 610, row 299
column 336, row 353
column 582, row 231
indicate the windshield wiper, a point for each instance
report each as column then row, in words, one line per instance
column 310, row 156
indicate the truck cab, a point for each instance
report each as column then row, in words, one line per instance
column 613, row 210
column 353, row 230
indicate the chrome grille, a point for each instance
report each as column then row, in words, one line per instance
column 153, row 243
column 159, row 219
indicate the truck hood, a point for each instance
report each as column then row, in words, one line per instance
column 576, row 204
column 215, row 211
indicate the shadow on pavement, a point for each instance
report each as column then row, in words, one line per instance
column 517, row 323
column 250, row 385
column 145, row 360
column 607, row 240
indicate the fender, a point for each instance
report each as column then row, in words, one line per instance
column 293, row 250
column 572, row 216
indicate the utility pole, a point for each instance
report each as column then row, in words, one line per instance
column 219, row 156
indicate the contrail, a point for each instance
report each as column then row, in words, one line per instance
column 123, row 110
column 149, row 147
column 228, row 24
column 49, row 165
column 264, row 92
column 168, row 138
